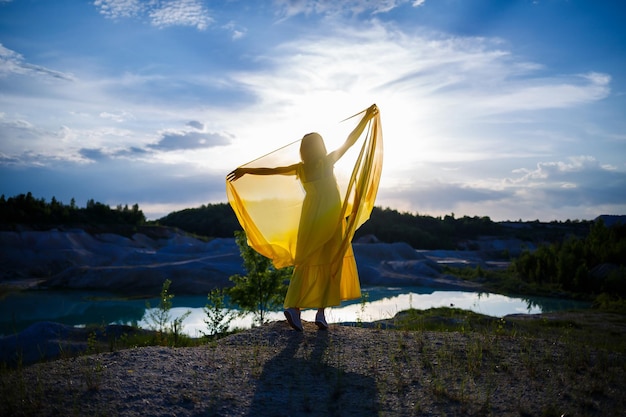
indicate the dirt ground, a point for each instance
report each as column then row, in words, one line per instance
column 345, row 371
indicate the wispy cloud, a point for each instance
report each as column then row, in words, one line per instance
column 551, row 93
column 290, row 8
column 237, row 31
column 181, row 13
column 580, row 182
column 161, row 13
column 576, row 174
column 172, row 141
column 119, row 117
column 116, row 9
column 12, row 62
column 422, row 79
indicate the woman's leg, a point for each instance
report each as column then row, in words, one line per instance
column 292, row 315
column 320, row 319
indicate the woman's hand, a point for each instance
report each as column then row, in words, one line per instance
column 236, row 174
column 373, row 109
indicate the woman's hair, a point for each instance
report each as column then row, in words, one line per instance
column 312, row 147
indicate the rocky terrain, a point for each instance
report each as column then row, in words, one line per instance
column 549, row 365
column 139, row 263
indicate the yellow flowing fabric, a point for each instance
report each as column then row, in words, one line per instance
column 311, row 224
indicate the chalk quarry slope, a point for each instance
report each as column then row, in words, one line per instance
column 138, row 264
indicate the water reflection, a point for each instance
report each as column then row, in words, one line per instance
column 19, row 310
column 384, row 303
column 76, row 308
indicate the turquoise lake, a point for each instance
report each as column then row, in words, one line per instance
column 79, row 308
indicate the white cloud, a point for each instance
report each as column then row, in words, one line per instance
column 438, row 92
column 12, row 63
column 162, row 13
column 116, row 9
column 382, row 61
column 576, row 172
column 181, row 13
column 535, row 94
column 237, row 31
column 19, row 135
column 578, row 182
column 119, row 117
column 290, row 8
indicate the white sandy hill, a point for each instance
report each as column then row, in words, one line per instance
column 138, row 264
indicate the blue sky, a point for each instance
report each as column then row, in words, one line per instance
column 508, row 109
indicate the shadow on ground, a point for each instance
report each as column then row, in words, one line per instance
column 283, row 388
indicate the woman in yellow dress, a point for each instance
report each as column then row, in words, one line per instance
column 325, row 271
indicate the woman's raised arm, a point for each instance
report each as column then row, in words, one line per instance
column 354, row 135
column 241, row 171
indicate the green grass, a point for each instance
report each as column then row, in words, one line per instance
column 441, row 319
column 598, row 329
column 583, row 349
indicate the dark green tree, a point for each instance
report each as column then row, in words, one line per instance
column 214, row 220
column 263, row 288
column 568, row 264
column 26, row 209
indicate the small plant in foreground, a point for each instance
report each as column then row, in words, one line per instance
column 263, row 288
column 160, row 317
column 365, row 296
column 218, row 317
column 92, row 374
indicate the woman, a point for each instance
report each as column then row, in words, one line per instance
column 325, row 271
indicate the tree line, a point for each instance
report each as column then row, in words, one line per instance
column 219, row 220
column 388, row 225
column 210, row 220
column 591, row 265
column 37, row 212
column 426, row 232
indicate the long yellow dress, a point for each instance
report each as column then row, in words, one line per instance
column 310, row 224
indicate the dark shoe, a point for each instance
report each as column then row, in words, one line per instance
column 320, row 321
column 293, row 318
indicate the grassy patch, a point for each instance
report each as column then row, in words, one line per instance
column 442, row 319
column 598, row 329
column 575, row 359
